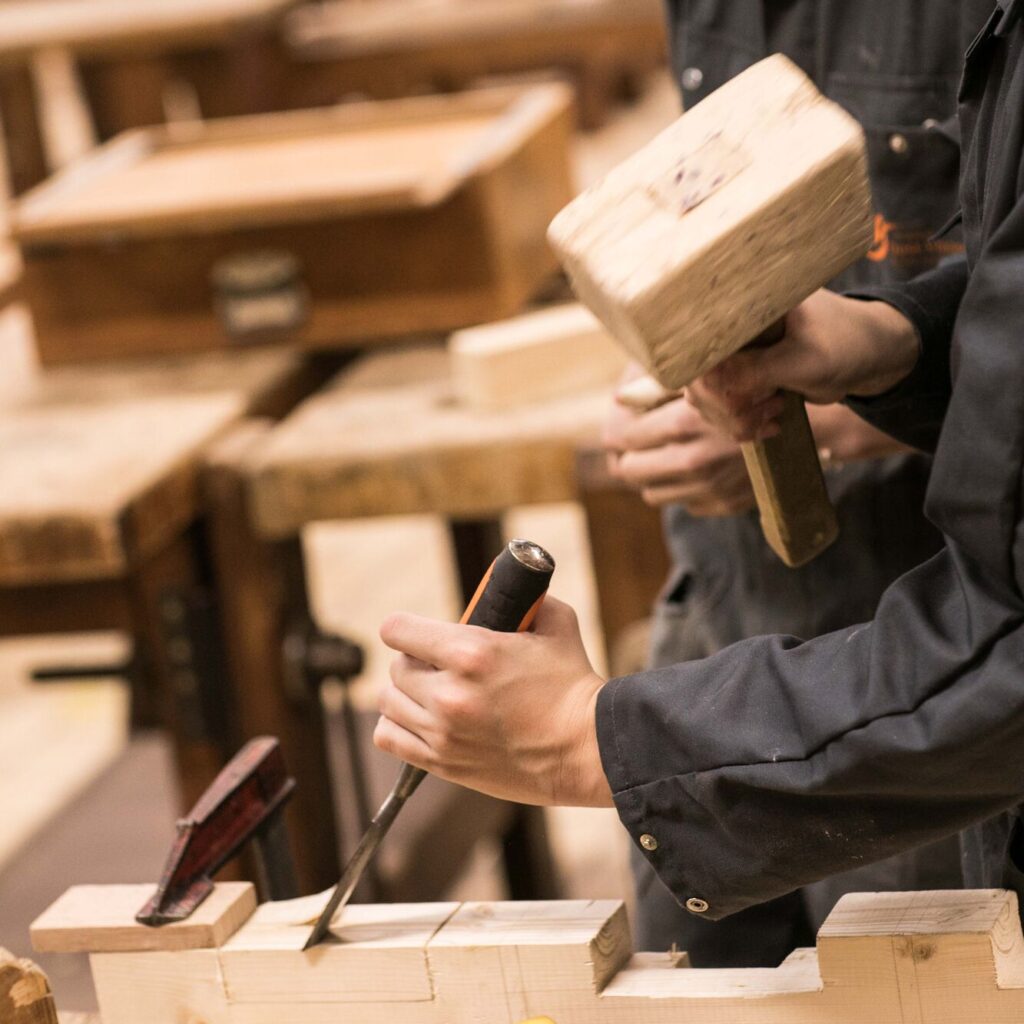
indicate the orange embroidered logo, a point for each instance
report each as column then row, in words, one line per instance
column 909, row 247
column 880, row 250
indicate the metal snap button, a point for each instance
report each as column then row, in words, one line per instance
column 697, row 906
column 899, row 144
column 692, row 78
column 648, row 842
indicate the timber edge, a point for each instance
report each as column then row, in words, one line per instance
column 949, row 957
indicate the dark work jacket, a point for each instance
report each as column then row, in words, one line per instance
column 777, row 762
column 895, row 65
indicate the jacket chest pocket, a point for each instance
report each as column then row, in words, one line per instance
column 914, row 161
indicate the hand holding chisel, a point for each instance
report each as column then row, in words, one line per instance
column 506, row 601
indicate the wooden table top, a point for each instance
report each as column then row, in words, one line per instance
column 98, row 463
column 387, row 438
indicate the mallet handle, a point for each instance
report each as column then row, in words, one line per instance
column 797, row 516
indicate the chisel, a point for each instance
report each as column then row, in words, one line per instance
column 506, row 601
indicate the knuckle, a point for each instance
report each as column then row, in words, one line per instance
column 473, row 658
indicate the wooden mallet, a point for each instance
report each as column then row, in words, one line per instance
column 708, row 236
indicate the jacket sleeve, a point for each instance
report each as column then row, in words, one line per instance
column 913, row 411
column 777, row 762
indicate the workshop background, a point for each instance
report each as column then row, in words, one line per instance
column 283, row 349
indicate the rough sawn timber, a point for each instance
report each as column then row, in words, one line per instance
column 890, row 958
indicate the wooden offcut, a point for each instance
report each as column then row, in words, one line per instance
column 325, row 228
column 402, row 47
column 552, row 352
column 101, row 918
column 710, row 234
column 950, row 957
column 25, row 996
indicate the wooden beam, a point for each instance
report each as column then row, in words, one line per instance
column 891, row 958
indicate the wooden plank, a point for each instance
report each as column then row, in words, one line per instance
column 302, row 165
column 114, row 25
column 542, row 355
column 101, row 919
column 910, row 958
column 25, row 996
column 387, row 438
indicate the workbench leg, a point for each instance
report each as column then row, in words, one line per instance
column 177, row 654
column 22, row 136
column 627, row 547
column 529, row 867
column 262, row 591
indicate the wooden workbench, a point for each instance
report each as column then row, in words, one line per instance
column 101, row 528
column 134, row 63
column 402, row 47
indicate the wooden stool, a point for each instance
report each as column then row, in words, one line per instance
column 133, row 64
column 101, row 529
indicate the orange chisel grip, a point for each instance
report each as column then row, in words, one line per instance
column 512, row 589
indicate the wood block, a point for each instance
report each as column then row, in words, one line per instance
column 753, row 199
column 386, row 438
column 552, row 352
column 324, row 228
column 25, row 996
column 101, row 919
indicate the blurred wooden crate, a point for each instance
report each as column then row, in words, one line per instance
column 325, row 228
column 393, row 48
column 137, row 62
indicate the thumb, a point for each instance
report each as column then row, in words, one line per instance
column 555, row 618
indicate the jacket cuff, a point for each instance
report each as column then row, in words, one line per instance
column 665, row 822
column 914, row 409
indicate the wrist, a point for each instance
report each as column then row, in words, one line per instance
column 895, row 348
column 583, row 782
